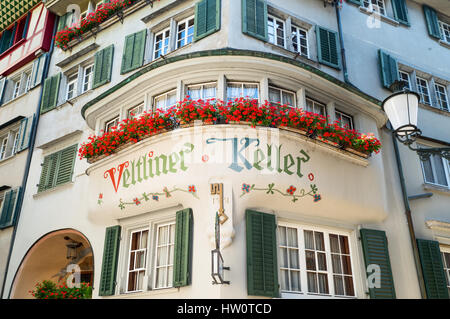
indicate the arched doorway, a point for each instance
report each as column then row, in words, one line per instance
column 49, row 259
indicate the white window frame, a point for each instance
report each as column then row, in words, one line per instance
column 420, row 88
column 4, row 146
column 111, row 123
column 282, row 91
column 137, row 110
column 186, row 36
column 375, row 7
column 146, row 250
column 275, row 28
column 304, row 293
column 165, row 95
column 446, row 250
column 339, row 115
column 439, row 99
column 9, row 141
column 164, row 32
column 242, row 89
column 169, row 263
column 16, row 88
column 297, row 30
column 75, row 87
column 319, row 104
column 15, row 142
column 446, row 165
column 201, row 85
column 402, row 74
column 88, row 76
column 445, row 31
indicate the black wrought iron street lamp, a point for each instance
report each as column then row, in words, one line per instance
column 401, row 109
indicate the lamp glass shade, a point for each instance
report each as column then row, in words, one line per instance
column 401, row 109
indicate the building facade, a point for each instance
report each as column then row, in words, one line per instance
column 26, row 33
column 299, row 216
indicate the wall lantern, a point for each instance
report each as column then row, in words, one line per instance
column 217, row 267
column 72, row 247
column 401, row 108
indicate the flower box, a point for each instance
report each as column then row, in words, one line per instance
column 294, row 130
column 359, row 153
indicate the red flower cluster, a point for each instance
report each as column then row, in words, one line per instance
column 92, row 20
column 216, row 111
column 49, row 290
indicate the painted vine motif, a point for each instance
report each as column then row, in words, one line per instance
column 156, row 196
column 291, row 191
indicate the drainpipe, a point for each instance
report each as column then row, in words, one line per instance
column 29, row 157
column 408, row 217
column 337, row 6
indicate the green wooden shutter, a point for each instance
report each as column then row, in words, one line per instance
column 400, row 11
column 103, row 66
column 254, row 18
column 207, row 18
column 7, row 215
column 44, row 173
column 183, row 248
column 64, row 20
column 432, row 269
column 432, row 22
column 26, row 126
column 262, row 268
column 109, row 265
column 134, row 50
column 358, row 2
column 375, row 248
column 6, row 39
column 49, row 172
column 328, row 47
column 66, row 162
column 50, row 93
column 2, row 88
column 388, row 69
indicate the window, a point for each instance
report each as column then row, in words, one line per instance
column 282, row 97
column 14, row 34
column 9, row 142
column 275, row 31
column 72, row 86
column 315, row 107
column 88, row 74
column 162, row 41
column 314, row 262
column 445, row 31
column 137, row 257
column 441, row 95
column 375, row 5
column 135, row 111
column 166, row 100
column 436, row 170
column 185, row 32
column 245, row 90
column 403, row 76
column 57, row 168
column 201, row 91
column 3, row 146
column 111, row 123
column 16, row 89
column 422, row 89
column 28, row 80
column 345, row 120
column 300, row 40
column 165, row 243
column 446, row 263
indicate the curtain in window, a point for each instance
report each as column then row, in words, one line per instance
column 209, row 91
column 274, row 95
column 440, row 171
column 233, row 91
column 194, row 93
column 288, row 99
column 250, row 91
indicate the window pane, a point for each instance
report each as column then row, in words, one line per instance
column 234, row 91
column 439, row 169
column 284, row 258
column 338, row 285
column 323, row 283
column 344, row 245
column 320, row 245
column 336, row 261
column 428, row 171
column 288, row 98
column 282, row 235
column 309, row 239
column 321, row 261
column 284, row 280
column 334, row 243
column 349, row 291
column 274, row 95
column 295, row 281
column 310, row 260
column 292, row 237
column 293, row 258
column 346, row 265
column 312, row 282
column 250, row 91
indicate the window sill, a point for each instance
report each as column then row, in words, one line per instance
column 145, row 294
column 380, row 16
column 56, row 188
column 433, row 187
column 7, row 159
column 434, row 109
column 17, row 97
column 444, row 44
column 304, row 59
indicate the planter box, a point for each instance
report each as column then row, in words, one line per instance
column 362, row 154
column 294, row 130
